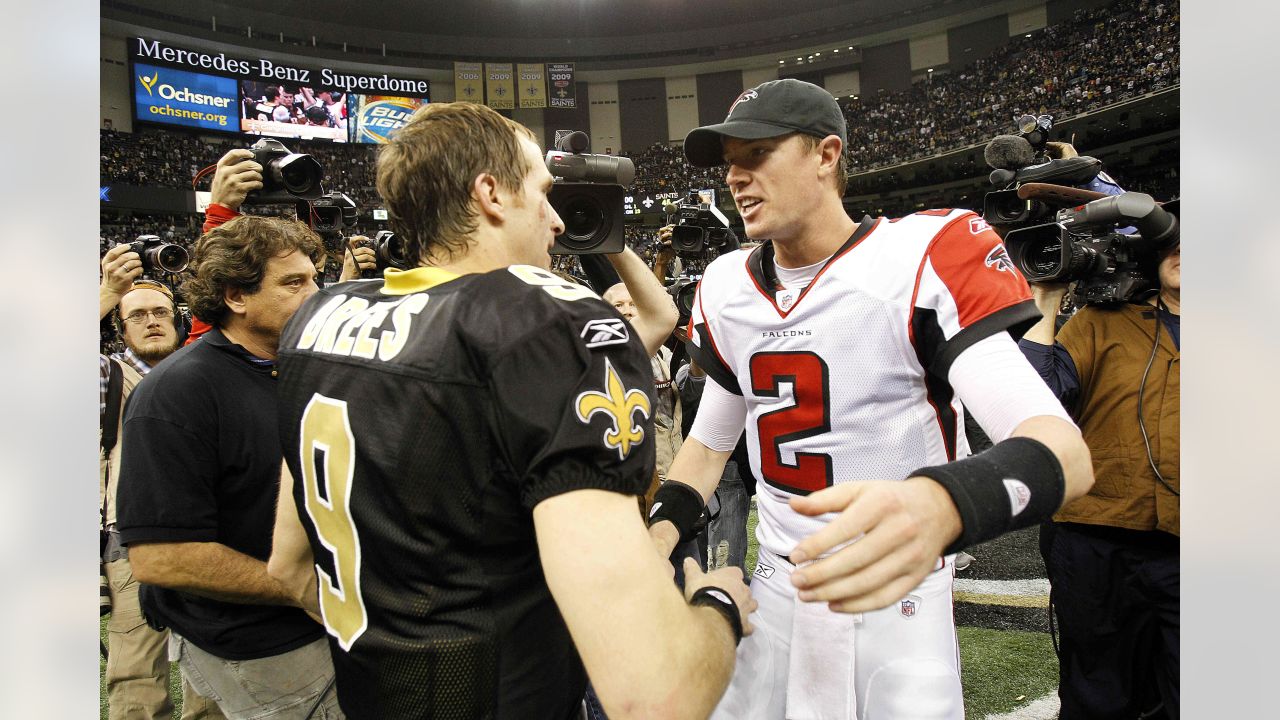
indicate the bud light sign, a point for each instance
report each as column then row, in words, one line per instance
column 379, row 116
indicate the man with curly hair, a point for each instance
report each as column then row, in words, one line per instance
column 199, row 478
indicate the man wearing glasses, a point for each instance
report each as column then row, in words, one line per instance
column 137, row 673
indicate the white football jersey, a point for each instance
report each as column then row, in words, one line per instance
column 846, row 379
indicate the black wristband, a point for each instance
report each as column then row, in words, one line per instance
column 713, row 597
column 1015, row 484
column 682, row 506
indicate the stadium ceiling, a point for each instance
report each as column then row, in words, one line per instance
column 598, row 34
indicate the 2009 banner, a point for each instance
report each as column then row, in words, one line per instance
column 499, row 86
column 563, row 91
column 533, row 85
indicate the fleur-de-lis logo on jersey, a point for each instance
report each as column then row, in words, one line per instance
column 149, row 82
column 619, row 405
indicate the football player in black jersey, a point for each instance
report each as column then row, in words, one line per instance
column 464, row 445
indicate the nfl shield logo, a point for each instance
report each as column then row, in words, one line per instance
column 909, row 606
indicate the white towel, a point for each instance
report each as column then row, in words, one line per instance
column 820, row 680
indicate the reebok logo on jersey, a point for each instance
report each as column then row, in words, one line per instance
column 619, row 405
column 1019, row 495
column 605, row 331
column 763, row 570
column 999, row 259
column 977, row 225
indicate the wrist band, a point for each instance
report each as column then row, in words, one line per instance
column 714, row 597
column 680, row 505
column 1015, row 484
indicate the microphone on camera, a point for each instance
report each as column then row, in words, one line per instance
column 1009, row 152
column 1001, row 177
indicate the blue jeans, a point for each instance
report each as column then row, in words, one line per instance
column 726, row 536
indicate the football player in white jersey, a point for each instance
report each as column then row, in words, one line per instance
column 848, row 352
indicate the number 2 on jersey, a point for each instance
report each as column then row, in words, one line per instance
column 810, row 415
column 328, row 465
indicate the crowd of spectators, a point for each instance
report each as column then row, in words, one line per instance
column 1099, row 57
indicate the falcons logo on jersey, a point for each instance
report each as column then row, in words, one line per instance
column 999, row 259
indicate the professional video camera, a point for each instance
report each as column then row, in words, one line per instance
column 331, row 213
column 699, row 227
column 1083, row 245
column 287, row 177
column 587, row 195
column 1057, row 230
column 159, row 256
column 1015, row 162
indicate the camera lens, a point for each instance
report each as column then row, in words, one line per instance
column 1043, row 260
column 687, row 238
column 299, row 174
column 170, row 258
column 583, row 218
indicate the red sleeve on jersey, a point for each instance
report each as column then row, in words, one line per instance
column 972, row 262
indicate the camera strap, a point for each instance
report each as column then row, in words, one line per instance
column 111, row 420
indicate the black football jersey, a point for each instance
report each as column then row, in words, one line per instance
column 423, row 416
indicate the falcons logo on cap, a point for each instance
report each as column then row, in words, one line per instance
column 745, row 96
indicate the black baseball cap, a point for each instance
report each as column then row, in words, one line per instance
column 770, row 109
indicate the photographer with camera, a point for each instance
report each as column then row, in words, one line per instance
column 237, row 174
column 199, row 476
column 1113, row 555
column 148, row 322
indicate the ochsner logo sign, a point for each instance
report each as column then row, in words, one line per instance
column 169, row 92
column 178, row 97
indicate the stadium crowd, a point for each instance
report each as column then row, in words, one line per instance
column 1097, row 58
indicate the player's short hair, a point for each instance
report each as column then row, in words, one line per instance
column 842, row 165
column 425, row 173
column 235, row 255
column 273, row 92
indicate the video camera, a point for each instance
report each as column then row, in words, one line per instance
column 331, row 213
column 1082, row 244
column 699, row 227
column 588, row 195
column 287, row 177
column 159, row 256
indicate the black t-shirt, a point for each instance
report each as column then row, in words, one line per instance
column 200, row 462
column 425, row 417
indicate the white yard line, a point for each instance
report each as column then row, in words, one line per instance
column 1024, row 588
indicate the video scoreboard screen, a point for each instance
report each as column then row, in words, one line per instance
column 205, row 91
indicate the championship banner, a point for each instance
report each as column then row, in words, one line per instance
column 468, row 82
column 533, row 86
column 564, row 94
column 499, row 86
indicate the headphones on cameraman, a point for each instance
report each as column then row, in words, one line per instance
column 181, row 323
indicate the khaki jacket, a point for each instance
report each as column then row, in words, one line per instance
column 1111, row 347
